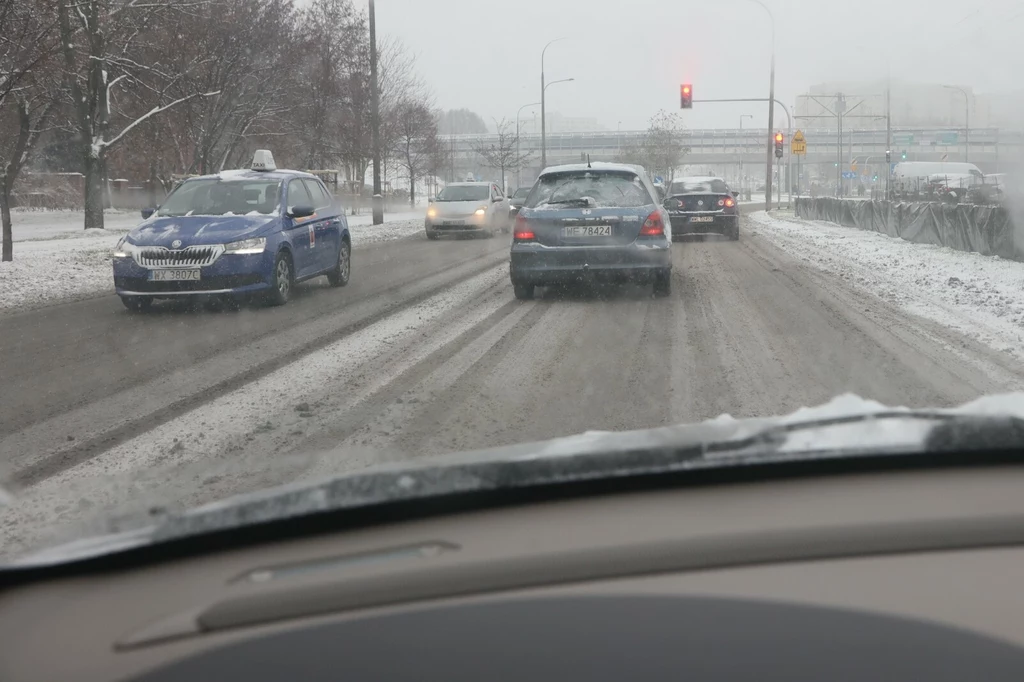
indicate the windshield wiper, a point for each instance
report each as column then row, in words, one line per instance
column 562, row 202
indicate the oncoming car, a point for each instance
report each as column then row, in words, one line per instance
column 468, row 208
column 702, row 205
column 589, row 222
column 236, row 234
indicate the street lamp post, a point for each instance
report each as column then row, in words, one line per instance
column 378, row 199
column 967, row 120
column 771, row 114
column 519, row 170
column 543, row 113
column 543, row 123
column 742, row 116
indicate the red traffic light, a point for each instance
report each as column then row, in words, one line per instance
column 686, row 96
column 778, row 138
column 686, row 89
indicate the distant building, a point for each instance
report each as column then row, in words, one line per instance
column 914, row 105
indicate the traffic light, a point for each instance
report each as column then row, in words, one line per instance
column 686, row 96
column 779, row 139
column 904, row 154
column 888, row 156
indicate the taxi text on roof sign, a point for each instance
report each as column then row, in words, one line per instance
column 263, row 160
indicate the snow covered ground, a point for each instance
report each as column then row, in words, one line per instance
column 56, row 261
column 979, row 296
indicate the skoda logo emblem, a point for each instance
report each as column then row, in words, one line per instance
column 176, row 244
column 700, row 203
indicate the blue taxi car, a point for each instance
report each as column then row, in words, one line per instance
column 236, row 234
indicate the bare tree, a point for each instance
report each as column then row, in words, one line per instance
column 103, row 45
column 416, row 133
column 503, row 154
column 27, row 96
column 26, row 29
column 662, row 148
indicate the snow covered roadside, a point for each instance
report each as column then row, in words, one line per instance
column 979, row 296
column 55, row 261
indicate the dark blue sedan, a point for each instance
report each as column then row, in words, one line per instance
column 591, row 222
column 236, row 234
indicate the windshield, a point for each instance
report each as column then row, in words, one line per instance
column 218, row 197
column 464, row 193
column 710, row 186
column 245, row 245
column 590, row 188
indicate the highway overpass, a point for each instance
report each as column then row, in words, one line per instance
column 721, row 150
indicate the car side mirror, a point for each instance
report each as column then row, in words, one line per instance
column 735, row 195
column 146, row 212
column 301, row 211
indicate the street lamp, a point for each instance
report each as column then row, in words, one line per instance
column 771, row 113
column 742, row 116
column 519, row 170
column 967, row 120
column 543, row 113
column 543, row 123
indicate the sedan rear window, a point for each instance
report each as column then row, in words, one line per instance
column 464, row 193
column 709, row 186
column 589, row 189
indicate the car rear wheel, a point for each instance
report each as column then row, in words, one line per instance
column 137, row 304
column 663, row 283
column 282, row 281
column 338, row 277
column 734, row 233
column 524, row 292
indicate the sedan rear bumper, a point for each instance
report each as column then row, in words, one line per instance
column 539, row 265
column 683, row 223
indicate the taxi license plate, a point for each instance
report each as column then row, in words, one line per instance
column 587, row 231
column 191, row 275
column 702, row 219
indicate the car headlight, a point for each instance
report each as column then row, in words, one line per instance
column 247, row 246
column 431, row 212
column 480, row 211
column 123, row 249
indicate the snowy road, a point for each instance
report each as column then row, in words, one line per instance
column 427, row 352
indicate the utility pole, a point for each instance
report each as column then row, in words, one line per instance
column 888, row 131
column 378, row 198
column 543, row 110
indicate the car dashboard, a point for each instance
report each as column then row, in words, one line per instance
column 894, row 575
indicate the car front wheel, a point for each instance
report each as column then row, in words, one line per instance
column 282, row 281
column 338, row 277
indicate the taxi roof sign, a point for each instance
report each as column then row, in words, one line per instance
column 263, row 160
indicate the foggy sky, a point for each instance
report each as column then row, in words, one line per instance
column 485, row 55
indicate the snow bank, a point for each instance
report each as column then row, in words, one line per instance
column 979, row 296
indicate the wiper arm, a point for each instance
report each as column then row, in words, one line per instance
column 585, row 202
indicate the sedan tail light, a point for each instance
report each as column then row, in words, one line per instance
column 653, row 226
column 729, row 202
column 523, row 231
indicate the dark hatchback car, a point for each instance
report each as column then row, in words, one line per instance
column 517, row 199
column 703, row 205
column 591, row 222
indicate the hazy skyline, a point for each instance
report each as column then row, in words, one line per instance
column 628, row 65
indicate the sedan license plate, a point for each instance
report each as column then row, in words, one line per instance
column 587, row 231
column 191, row 275
column 454, row 223
column 702, row 219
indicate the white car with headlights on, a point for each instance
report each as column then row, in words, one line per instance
column 468, row 208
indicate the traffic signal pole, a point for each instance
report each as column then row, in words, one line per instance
column 771, row 135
